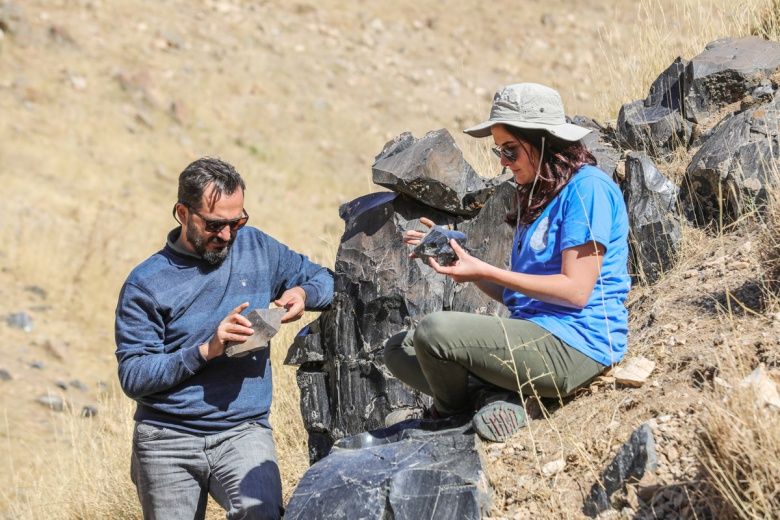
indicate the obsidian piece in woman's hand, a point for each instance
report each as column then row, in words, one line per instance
column 436, row 245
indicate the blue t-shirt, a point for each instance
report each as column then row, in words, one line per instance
column 589, row 207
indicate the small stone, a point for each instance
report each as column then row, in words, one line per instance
column 51, row 401
column 38, row 365
column 61, row 385
column 56, row 349
column 763, row 385
column 37, row 291
column 554, row 467
column 78, row 385
column 635, row 372
column 89, row 411
column 20, row 320
column 5, row 375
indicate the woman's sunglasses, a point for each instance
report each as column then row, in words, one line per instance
column 508, row 153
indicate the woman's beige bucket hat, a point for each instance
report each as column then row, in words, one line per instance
column 529, row 105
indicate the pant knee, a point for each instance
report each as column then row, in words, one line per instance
column 432, row 334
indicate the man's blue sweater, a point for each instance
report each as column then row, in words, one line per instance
column 173, row 302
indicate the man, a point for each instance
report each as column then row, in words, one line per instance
column 202, row 417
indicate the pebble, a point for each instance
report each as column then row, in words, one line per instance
column 78, row 385
column 51, row 401
column 553, row 467
column 89, row 411
column 5, row 375
column 20, row 320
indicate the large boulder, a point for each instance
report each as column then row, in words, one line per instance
column 732, row 171
column 653, row 216
column 489, row 239
column 726, row 72
column 600, row 142
column 432, row 170
column 413, row 471
column 379, row 291
column 656, row 124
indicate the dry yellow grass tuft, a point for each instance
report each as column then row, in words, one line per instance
column 770, row 253
column 740, row 452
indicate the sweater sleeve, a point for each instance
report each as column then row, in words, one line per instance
column 294, row 269
column 144, row 366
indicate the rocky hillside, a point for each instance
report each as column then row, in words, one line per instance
column 104, row 102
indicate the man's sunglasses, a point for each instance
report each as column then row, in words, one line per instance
column 508, row 153
column 215, row 226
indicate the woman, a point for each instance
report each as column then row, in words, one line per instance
column 567, row 284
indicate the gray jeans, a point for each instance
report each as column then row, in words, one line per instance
column 174, row 472
column 437, row 356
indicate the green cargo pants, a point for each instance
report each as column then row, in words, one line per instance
column 437, row 356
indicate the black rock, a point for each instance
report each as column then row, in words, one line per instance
column 5, row 375
column 413, row 470
column 38, row 365
column 490, row 239
column 653, row 216
column 20, row 320
column 600, row 142
column 432, row 170
column 362, row 204
column 726, row 72
column 736, row 166
column 636, row 457
column 62, row 385
column 307, row 346
column 436, row 245
column 379, row 291
column 656, row 125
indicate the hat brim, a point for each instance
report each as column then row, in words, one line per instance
column 566, row 131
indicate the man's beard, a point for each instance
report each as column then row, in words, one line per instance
column 213, row 256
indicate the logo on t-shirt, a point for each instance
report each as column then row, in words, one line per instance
column 539, row 239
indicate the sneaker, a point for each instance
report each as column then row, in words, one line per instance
column 401, row 415
column 499, row 420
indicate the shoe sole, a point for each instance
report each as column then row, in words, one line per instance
column 498, row 421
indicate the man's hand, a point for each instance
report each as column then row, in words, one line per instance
column 234, row 327
column 294, row 300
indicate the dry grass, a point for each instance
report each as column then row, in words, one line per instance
column 91, row 478
column 664, row 34
column 770, row 253
column 740, row 452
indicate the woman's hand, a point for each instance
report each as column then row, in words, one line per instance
column 413, row 237
column 465, row 269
